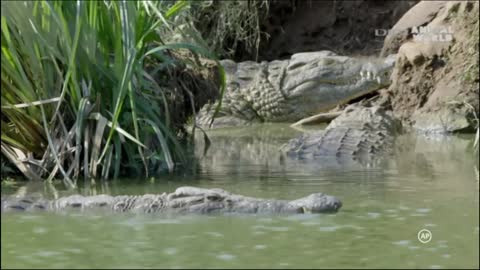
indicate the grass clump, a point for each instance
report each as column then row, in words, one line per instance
column 76, row 94
column 228, row 27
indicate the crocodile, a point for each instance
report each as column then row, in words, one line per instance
column 289, row 90
column 362, row 134
column 182, row 200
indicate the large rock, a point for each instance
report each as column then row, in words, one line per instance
column 430, row 89
column 419, row 15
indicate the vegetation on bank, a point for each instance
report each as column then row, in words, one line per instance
column 231, row 27
column 85, row 87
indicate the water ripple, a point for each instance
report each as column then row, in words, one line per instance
column 226, row 256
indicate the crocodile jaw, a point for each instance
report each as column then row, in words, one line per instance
column 320, row 83
column 289, row 90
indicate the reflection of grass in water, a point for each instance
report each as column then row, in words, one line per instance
column 477, row 136
column 477, row 123
column 476, row 144
column 477, row 174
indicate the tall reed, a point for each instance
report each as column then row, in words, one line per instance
column 76, row 97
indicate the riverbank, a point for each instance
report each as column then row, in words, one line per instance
column 433, row 90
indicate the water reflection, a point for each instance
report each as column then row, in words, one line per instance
column 254, row 151
column 425, row 183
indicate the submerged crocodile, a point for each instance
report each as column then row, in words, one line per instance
column 289, row 90
column 361, row 133
column 351, row 145
column 183, row 200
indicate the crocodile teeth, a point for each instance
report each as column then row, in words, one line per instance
column 362, row 74
column 369, row 75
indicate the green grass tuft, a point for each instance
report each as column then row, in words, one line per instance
column 76, row 97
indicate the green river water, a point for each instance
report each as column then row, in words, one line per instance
column 428, row 184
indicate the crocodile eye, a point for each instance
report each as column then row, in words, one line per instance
column 295, row 65
column 229, row 202
column 213, row 198
column 76, row 205
column 245, row 78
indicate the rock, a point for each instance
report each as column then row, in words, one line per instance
column 428, row 88
column 417, row 52
column 419, row 15
column 444, row 120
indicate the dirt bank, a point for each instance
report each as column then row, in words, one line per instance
column 344, row 27
column 193, row 82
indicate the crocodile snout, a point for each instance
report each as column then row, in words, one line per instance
column 318, row 203
column 336, row 204
column 330, row 204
